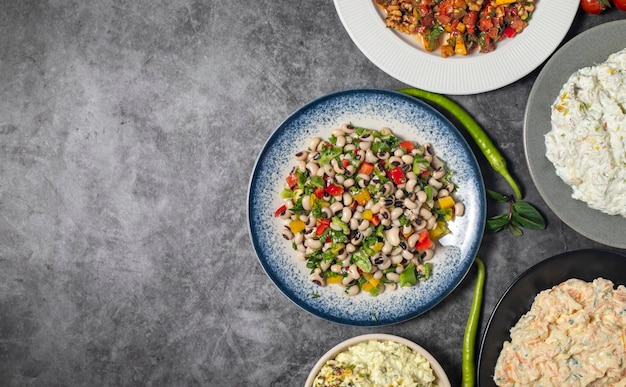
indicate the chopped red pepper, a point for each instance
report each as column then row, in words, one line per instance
column 292, row 180
column 423, row 242
column 319, row 192
column 281, row 210
column 509, row 32
column 397, row 175
column 375, row 221
column 321, row 228
column 366, row 168
column 407, row 145
column 345, row 163
column 334, row 190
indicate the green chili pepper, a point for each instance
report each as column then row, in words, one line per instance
column 482, row 140
column 469, row 338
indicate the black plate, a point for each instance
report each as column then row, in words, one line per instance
column 586, row 265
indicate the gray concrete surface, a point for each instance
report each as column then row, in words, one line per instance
column 128, row 133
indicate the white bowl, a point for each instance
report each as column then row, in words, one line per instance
column 441, row 377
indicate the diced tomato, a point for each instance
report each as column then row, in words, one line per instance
column 443, row 19
column 280, row 210
column 470, row 22
column 423, row 242
column 319, row 192
column 407, row 145
column 366, row 168
column 334, row 190
column 345, row 163
column 375, row 221
column 292, row 180
column 321, row 228
column 397, row 175
column 485, row 24
column 509, row 32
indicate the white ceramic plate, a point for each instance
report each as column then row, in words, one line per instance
column 410, row 119
column 403, row 58
column 442, row 378
column 590, row 47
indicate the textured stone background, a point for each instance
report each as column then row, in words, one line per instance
column 128, row 133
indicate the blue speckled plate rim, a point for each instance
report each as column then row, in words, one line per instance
column 481, row 217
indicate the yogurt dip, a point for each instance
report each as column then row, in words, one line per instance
column 573, row 335
column 376, row 363
column 587, row 142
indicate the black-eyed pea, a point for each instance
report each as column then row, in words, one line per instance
column 459, row 209
column 317, row 277
column 431, row 223
column 313, row 243
column 425, row 213
column 386, row 264
column 302, row 155
column 396, row 259
column 312, row 167
column 410, row 185
column 412, row 240
column 314, row 142
column 396, row 213
column 427, row 255
column 393, row 236
column 287, row 234
column 394, row 277
column 353, row 272
column 336, row 208
column 443, row 193
column 352, row 290
column 341, row 141
column 435, row 183
column 370, row 157
column 350, row 248
column 407, row 159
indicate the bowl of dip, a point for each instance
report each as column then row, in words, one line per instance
column 361, row 359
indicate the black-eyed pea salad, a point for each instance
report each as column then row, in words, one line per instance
column 365, row 209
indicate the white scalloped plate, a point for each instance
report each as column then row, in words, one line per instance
column 403, row 58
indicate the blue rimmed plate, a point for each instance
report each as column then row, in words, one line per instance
column 410, row 119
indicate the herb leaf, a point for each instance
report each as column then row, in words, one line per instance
column 497, row 196
column 520, row 215
column 527, row 216
column 496, row 223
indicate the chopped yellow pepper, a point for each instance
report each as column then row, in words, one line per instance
column 440, row 230
column 459, row 45
column 371, row 282
column 362, row 197
column 378, row 246
column 367, row 214
column 335, row 279
column 445, row 202
column 296, row 226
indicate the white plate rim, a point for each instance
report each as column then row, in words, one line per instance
column 403, row 59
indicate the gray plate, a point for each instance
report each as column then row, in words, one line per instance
column 589, row 48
